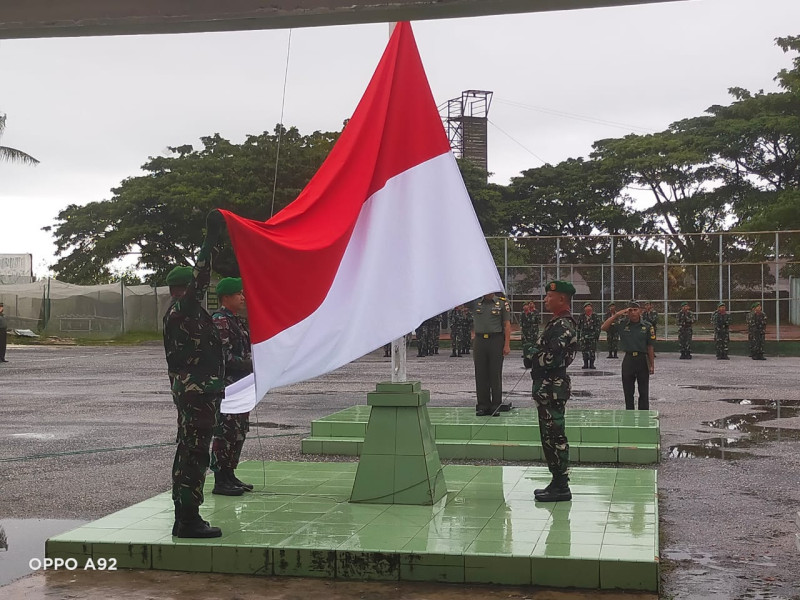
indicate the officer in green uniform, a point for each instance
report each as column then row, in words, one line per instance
column 721, row 321
column 548, row 358
column 685, row 319
column 636, row 337
column 231, row 429
column 588, row 334
column 492, row 318
column 196, row 370
column 612, row 335
column 756, row 331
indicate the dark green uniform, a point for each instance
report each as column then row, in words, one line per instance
column 197, row 374
column 634, row 339
column 529, row 325
column 685, row 320
column 612, row 335
column 549, row 358
column 756, row 333
column 231, row 429
column 588, row 334
column 722, row 333
column 489, row 319
column 457, row 321
column 651, row 316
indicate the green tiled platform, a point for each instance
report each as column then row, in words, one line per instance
column 487, row 529
column 595, row 436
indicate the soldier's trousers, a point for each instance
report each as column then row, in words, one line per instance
column 229, row 435
column 550, row 403
column 685, row 340
column 613, row 343
column 589, row 349
column 756, row 341
column 197, row 413
column 635, row 370
column 488, row 357
column 721, row 341
column 3, row 341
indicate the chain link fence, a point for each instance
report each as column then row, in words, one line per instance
column 666, row 270
column 737, row 268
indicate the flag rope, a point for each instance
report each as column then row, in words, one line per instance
column 280, row 126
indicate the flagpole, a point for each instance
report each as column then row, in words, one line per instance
column 398, row 345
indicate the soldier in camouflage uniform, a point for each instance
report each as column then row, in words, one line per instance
column 685, row 319
column 231, row 429
column 548, row 359
column 612, row 335
column 197, row 376
column 756, row 331
column 721, row 321
column 588, row 334
column 423, row 349
column 466, row 338
column 650, row 314
column 456, row 319
column 434, row 331
column 529, row 323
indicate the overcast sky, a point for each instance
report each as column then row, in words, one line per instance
column 92, row 110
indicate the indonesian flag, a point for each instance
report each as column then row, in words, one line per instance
column 383, row 237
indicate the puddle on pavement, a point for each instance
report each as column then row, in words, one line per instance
column 581, row 394
column 758, row 427
column 271, row 425
column 25, row 540
column 708, row 388
column 593, row 373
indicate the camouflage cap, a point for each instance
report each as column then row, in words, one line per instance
column 721, row 304
column 585, row 304
column 753, row 305
column 564, row 287
column 229, row 285
column 180, row 276
column 633, row 304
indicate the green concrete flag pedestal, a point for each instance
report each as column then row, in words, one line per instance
column 399, row 462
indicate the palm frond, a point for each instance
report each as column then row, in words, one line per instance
column 16, row 156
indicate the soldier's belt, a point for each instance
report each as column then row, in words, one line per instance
column 635, row 353
column 548, row 373
column 486, row 336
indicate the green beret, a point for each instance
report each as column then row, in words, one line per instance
column 684, row 303
column 633, row 304
column 563, row 287
column 754, row 304
column 612, row 303
column 229, row 285
column 585, row 304
column 721, row 304
column 180, row 276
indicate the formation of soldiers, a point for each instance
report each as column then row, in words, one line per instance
column 460, row 320
column 428, row 334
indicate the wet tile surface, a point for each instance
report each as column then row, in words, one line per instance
column 487, row 529
column 595, row 436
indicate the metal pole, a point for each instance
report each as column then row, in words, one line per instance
column 762, row 284
column 777, row 290
column 571, row 280
column 720, row 267
column 602, row 290
column 541, row 288
column 399, row 345
column 558, row 258
column 697, row 290
column 633, row 282
column 505, row 263
column 122, row 304
column 613, row 293
column 666, row 287
column 729, row 284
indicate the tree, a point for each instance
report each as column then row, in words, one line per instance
column 12, row 154
column 160, row 215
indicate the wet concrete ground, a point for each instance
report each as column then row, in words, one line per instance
column 85, row 431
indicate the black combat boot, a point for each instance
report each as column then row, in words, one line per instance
column 223, row 486
column 610, row 355
column 453, row 353
column 189, row 524
column 683, row 354
column 557, row 491
column 247, row 487
column 688, row 355
column 591, row 364
column 615, row 354
column 585, row 362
